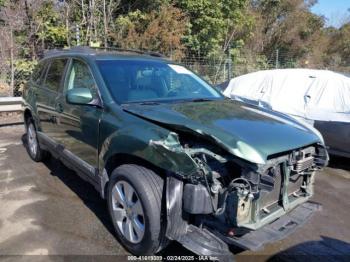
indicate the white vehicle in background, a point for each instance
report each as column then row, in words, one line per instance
column 319, row 97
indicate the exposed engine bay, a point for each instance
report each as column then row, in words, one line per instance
column 228, row 199
column 231, row 197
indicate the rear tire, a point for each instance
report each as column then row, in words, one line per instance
column 32, row 143
column 135, row 206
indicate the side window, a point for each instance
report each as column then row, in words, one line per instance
column 37, row 75
column 80, row 77
column 54, row 74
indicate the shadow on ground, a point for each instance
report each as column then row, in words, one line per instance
column 94, row 202
column 339, row 163
column 92, row 199
column 326, row 249
column 98, row 206
column 84, row 190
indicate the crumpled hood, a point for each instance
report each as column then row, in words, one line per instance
column 244, row 130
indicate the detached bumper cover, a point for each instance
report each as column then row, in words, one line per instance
column 276, row 230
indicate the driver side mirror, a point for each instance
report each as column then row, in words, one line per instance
column 79, row 96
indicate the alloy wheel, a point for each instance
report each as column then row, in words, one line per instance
column 128, row 212
column 32, row 140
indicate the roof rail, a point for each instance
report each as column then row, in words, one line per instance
column 88, row 49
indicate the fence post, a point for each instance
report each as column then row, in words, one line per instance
column 77, row 34
column 277, row 58
column 12, row 83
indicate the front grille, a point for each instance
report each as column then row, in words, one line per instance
column 271, row 182
column 271, row 197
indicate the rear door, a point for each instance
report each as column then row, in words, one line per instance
column 47, row 94
column 34, row 91
column 39, row 94
column 78, row 124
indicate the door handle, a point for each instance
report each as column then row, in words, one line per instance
column 53, row 119
column 59, row 107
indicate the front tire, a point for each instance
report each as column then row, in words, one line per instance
column 135, row 207
column 32, row 143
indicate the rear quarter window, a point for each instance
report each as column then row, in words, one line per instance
column 55, row 73
column 38, row 73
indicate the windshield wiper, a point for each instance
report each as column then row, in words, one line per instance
column 149, row 103
column 201, row 100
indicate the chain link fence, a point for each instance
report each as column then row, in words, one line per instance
column 216, row 70
column 5, row 80
column 14, row 76
column 219, row 70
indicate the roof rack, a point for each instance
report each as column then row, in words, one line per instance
column 89, row 49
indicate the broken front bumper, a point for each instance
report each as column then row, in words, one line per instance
column 276, row 230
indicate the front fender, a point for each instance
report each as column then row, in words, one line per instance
column 151, row 143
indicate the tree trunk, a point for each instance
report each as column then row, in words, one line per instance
column 93, row 16
column 89, row 18
column 83, row 11
column 67, row 24
column 105, row 23
column 31, row 41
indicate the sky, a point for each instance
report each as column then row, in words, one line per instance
column 336, row 11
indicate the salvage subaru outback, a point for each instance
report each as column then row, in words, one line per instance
column 174, row 159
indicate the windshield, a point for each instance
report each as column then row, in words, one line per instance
column 141, row 81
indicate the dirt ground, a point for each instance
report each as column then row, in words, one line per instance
column 46, row 209
column 10, row 118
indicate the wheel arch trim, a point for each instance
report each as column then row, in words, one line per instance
column 119, row 159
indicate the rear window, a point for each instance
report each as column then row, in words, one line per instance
column 55, row 73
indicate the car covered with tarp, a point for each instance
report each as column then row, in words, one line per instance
column 319, row 97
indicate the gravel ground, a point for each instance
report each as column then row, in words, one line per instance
column 46, row 209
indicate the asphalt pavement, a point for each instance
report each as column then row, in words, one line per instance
column 46, row 209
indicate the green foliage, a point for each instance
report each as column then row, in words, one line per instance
column 247, row 31
column 160, row 31
column 51, row 31
column 145, row 6
column 24, row 69
column 213, row 23
column 339, row 51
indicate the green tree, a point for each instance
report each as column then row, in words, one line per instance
column 289, row 26
column 214, row 24
column 51, row 29
column 156, row 30
column 338, row 53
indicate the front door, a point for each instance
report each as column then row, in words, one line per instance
column 78, row 124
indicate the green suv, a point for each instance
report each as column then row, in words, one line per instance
column 174, row 159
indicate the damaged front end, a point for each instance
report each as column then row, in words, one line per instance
column 228, row 199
